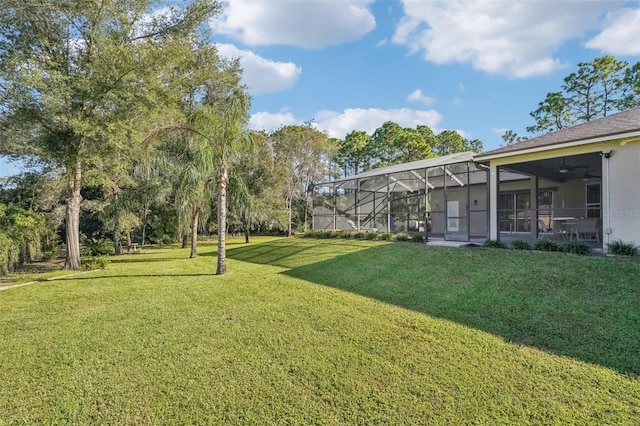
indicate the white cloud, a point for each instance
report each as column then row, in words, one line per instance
column 269, row 122
column 622, row 35
column 259, row 74
column 338, row 124
column 464, row 134
column 514, row 38
column 499, row 130
column 418, row 96
column 310, row 24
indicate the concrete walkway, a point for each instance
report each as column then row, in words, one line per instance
column 45, row 280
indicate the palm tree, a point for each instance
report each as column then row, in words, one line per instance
column 217, row 129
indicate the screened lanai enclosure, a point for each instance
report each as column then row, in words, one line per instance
column 443, row 197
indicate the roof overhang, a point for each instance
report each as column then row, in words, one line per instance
column 461, row 157
column 623, row 137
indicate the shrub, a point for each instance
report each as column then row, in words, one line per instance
column 359, row 235
column 344, row 234
column 97, row 247
column 48, row 255
column 90, row 263
column 546, row 245
column 621, row 248
column 493, row 244
column 520, row 245
column 403, row 236
column 372, row 235
column 417, row 238
column 386, row 236
column 576, row 247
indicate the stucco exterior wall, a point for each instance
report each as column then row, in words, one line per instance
column 621, row 194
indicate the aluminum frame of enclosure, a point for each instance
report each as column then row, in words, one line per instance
column 443, row 197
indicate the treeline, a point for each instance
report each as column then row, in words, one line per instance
column 392, row 144
column 598, row 88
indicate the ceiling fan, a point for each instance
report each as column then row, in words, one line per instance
column 587, row 175
column 564, row 167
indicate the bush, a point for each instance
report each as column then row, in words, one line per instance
column 386, row 236
column 546, row 245
column 494, row 244
column 621, row 248
column 371, row 235
column 520, row 245
column 359, row 235
column 576, row 247
column 90, row 263
column 417, row 238
column 97, row 247
column 48, row 255
column 403, row 236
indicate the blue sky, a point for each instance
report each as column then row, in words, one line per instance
column 478, row 67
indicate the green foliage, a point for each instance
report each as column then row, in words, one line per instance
column 417, row 238
column 371, row 235
column 385, row 236
column 618, row 247
column 90, row 263
column 402, row 236
column 575, row 247
column 354, row 153
column 546, row 245
column 596, row 89
column 97, row 247
column 520, row 245
column 21, row 235
column 494, row 244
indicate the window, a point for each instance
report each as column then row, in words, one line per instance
column 514, row 210
column 593, row 200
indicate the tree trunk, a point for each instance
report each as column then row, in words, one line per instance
column 185, row 239
column 194, row 229
column 72, row 219
column 290, row 207
column 116, row 228
column 144, row 224
column 222, row 217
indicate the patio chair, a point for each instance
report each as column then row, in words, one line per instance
column 542, row 228
column 589, row 229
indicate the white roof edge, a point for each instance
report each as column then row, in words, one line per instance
column 558, row 146
column 459, row 157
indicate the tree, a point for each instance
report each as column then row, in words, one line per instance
column 510, row 137
column 354, row 153
column 302, row 154
column 19, row 229
column 217, row 126
column 552, row 114
column 631, row 89
column 596, row 89
column 393, row 144
column 73, row 71
column 451, row 142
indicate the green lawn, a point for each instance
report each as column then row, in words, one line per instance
column 305, row 331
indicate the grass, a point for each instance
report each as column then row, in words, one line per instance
column 305, row 331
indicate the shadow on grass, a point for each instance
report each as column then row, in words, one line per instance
column 564, row 304
column 106, row 277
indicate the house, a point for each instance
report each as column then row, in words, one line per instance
column 580, row 182
column 587, row 173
